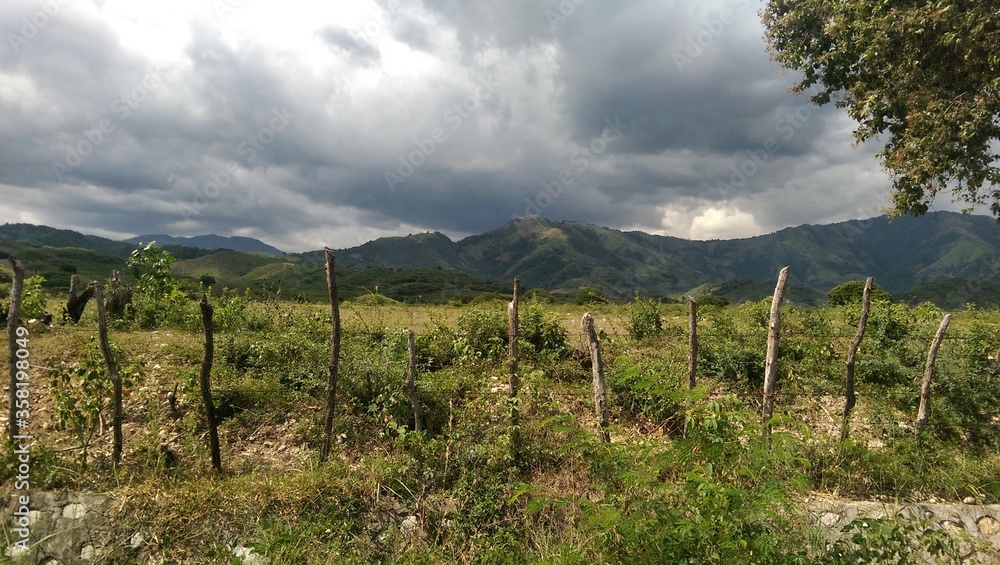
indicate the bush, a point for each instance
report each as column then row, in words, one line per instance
column 33, row 299
column 851, row 292
column 643, row 318
column 712, row 300
column 587, row 295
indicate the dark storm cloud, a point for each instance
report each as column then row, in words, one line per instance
column 355, row 45
column 599, row 111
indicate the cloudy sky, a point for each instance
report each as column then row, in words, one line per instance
column 305, row 123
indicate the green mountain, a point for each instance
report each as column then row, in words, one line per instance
column 562, row 256
column 943, row 257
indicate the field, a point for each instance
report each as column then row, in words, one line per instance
column 687, row 475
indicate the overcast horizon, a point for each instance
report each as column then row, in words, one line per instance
column 304, row 125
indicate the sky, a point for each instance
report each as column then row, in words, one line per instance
column 306, row 124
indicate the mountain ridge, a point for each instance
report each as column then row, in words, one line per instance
column 922, row 254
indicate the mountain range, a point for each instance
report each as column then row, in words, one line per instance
column 210, row 242
column 944, row 257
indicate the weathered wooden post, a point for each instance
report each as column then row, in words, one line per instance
column 331, row 380
column 206, row 383
column 75, row 305
column 411, row 381
column 692, row 340
column 515, row 381
column 925, row 388
column 849, row 399
column 116, row 378
column 597, row 367
column 13, row 319
column 771, row 362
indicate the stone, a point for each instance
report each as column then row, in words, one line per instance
column 988, row 526
column 968, row 500
column 74, row 511
column 248, row 556
column 408, row 528
column 88, row 553
column 829, row 519
column 138, row 540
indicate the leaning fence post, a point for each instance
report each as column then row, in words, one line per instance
column 597, row 366
column 849, row 398
column 925, row 388
column 13, row 319
column 206, row 383
column 331, row 380
column 411, row 381
column 771, row 362
column 692, row 340
column 116, row 378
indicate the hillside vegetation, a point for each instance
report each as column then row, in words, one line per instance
column 945, row 258
column 686, row 477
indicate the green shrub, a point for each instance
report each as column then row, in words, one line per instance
column 851, row 292
column 34, row 299
column 587, row 295
column 644, row 318
column 713, row 301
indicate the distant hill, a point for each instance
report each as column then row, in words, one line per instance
column 210, row 242
column 562, row 256
column 943, row 257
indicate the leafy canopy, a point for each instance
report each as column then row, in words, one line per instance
column 923, row 75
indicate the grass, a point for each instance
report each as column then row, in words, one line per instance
column 686, row 476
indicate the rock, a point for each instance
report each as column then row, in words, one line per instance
column 988, row 526
column 248, row 556
column 409, row 527
column 829, row 519
column 138, row 540
column 88, row 553
column 968, row 500
column 74, row 511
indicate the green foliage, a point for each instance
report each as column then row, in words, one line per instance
column 82, row 393
column 156, row 298
column 484, row 333
column 644, row 318
column 892, row 540
column 712, row 300
column 586, row 295
column 851, row 292
column 894, row 68
column 33, row 298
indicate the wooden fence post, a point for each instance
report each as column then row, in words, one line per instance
column 515, row 380
column 116, row 378
column 849, row 398
column 692, row 341
column 13, row 320
column 75, row 304
column 206, row 382
column 597, row 366
column 331, row 380
column 411, row 381
column 771, row 362
column 925, row 388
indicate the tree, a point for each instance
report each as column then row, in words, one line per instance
column 851, row 292
column 924, row 75
column 586, row 295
